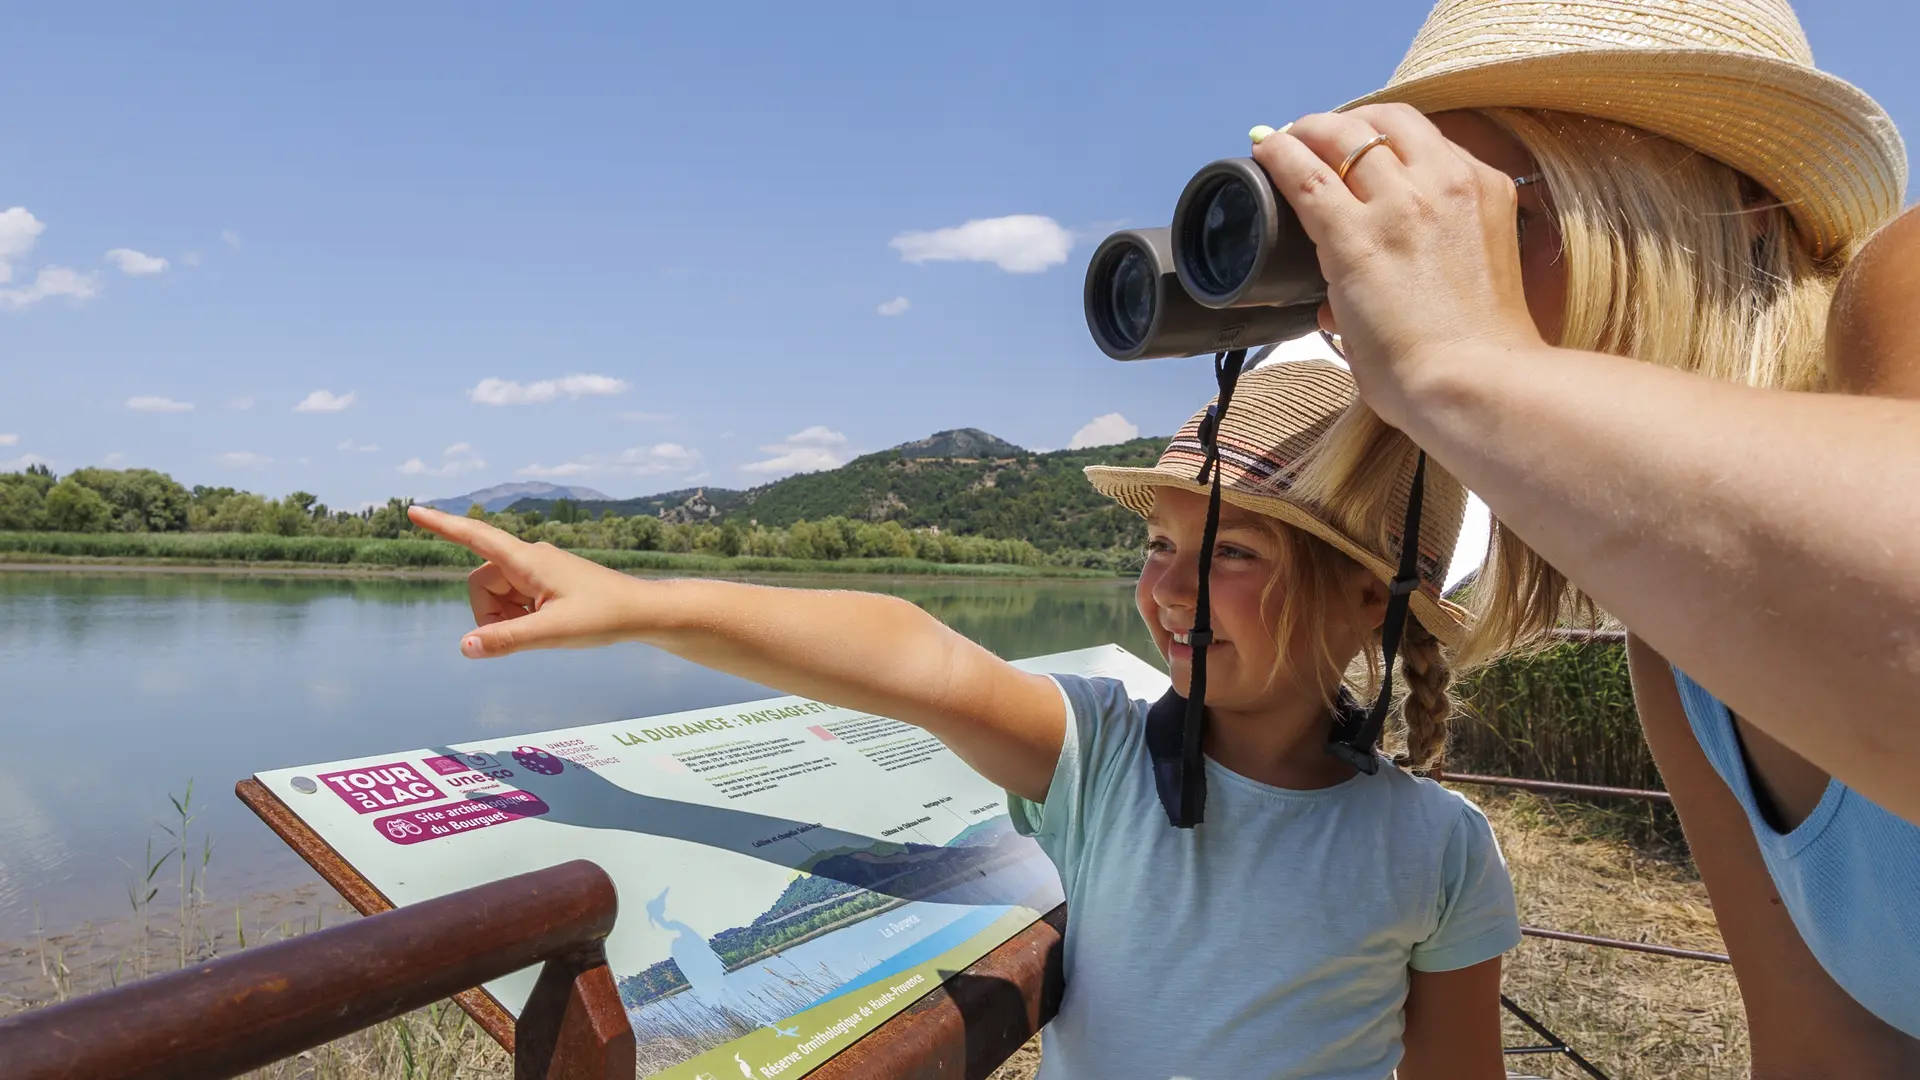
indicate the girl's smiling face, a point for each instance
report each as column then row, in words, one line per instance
column 1249, row 591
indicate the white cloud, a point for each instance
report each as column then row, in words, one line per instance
column 357, row 448
column 19, row 231
column 811, row 450
column 1020, row 243
column 240, row 404
column 456, row 460
column 115, row 458
column 652, row 460
column 896, row 306
column 50, row 282
column 231, row 239
column 324, row 401
column 244, row 459
column 133, row 262
column 506, row 392
column 544, row 472
column 191, row 258
column 659, row 458
column 158, row 404
column 22, row 462
column 1104, row 431
column 9, row 440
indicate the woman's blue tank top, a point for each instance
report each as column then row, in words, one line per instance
column 1849, row 875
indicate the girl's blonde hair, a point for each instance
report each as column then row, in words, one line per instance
column 1351, row 477
column 1672, row 258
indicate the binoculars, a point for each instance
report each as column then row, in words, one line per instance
column 1234, row 270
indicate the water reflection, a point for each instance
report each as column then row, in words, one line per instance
column 120, row 687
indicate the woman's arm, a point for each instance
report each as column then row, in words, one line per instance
column 1767, row 542
column 1453, row 1025
column 861, row 651
column 1802, row 1024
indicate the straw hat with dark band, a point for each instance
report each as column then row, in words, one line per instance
column 1733, row 79
column 1278, row 413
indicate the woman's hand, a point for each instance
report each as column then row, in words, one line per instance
column 1418, row 243
column 533, row 596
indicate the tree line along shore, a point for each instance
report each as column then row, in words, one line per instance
column 140, row 515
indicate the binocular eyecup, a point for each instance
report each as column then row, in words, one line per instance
column 1234, row 270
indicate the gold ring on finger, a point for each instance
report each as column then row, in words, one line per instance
column 1360, row 152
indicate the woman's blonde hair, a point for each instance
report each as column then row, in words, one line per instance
column 1672, row 258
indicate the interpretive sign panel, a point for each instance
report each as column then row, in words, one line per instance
column 790, row 874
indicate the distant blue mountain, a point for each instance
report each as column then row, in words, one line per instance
column 501, row 496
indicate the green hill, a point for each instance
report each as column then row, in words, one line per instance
column 1005, row 494
column 684, row 504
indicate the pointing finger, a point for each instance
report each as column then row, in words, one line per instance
column 491, row 544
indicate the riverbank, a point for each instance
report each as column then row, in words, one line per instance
column 430, row 559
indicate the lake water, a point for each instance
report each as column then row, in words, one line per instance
column 116, row 689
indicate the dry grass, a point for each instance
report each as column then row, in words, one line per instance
column 1632, row 1014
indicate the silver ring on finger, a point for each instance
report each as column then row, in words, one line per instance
column 1360, row 152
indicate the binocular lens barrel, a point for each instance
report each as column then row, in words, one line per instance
column 1137, row 310
column 1234, row 270
column 1238, row 244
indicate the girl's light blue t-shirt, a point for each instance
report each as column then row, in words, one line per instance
column 1849, row 875
column 1275, row 939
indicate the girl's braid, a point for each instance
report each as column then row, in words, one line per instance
column 1427, row 705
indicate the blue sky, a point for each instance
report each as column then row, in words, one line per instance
column 417, row 249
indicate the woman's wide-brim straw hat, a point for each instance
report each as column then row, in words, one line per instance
column 1732, row 79
column 1277, row 414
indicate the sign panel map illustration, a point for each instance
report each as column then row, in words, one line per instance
column 790, row 874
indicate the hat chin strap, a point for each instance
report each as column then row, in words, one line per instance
column 1356, row 733
column 1176, row 725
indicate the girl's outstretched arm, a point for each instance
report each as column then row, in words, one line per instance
column 865, row 651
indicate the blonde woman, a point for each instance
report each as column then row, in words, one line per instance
column 1700, row 189
column 1324, row 920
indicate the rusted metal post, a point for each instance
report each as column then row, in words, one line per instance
column 973, row 1022
column 574, row 1026
column 266, row 1003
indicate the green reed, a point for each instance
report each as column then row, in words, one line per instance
column 1564, row 714
column 409, row 553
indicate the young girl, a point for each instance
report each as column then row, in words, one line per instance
column 1323, row 921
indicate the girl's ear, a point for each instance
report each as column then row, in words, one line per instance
column 1371, row 593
